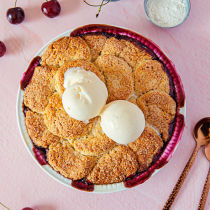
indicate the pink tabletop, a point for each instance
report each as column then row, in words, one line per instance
column 23, row 183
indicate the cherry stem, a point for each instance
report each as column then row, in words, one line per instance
column 15, row 2
column 100, row 8
column 4, row 206
column 92, row 5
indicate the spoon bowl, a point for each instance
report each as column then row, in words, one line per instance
column 201, row 131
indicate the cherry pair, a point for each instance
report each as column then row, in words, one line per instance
column 50, row 8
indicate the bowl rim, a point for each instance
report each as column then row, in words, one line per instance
column 110, row 188
column 186, row 16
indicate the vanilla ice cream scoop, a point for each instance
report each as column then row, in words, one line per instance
column 122, row 121
column 77, row 75
column 85, row 94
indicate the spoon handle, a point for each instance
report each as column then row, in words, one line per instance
column 181, row 178
column 205, row 192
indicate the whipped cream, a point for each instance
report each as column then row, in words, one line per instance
column 77, row 75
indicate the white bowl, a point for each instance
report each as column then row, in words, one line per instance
column 110, row 188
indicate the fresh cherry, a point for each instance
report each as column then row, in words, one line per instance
column 2, row 49
column 15, row 15
column 27, row 208
column 51, row 8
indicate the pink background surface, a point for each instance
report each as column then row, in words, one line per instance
column 23, row 183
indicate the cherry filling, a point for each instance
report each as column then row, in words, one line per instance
column 83, row 184
column 29, row 72
column 24, row 109
column 40, row 155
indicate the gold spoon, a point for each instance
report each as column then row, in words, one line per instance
column 207, row 183
column 201, row 138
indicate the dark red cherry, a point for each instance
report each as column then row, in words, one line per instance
column 2, row 49
column 27, row 208
column 51, row 8
column 15, row 15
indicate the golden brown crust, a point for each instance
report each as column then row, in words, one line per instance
column 64, row 50
column 38, row 131
column 60, row 123
column 114, row 166
column 132, row 100
column 86, row 65
column 40, row 89
column 149, row 75
column 159, row 110
column 118, row 77
column 95, row 43
column 146, row 147
column 95, row 143
column 71, row 164
column 113, row 46
column 133, row 54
